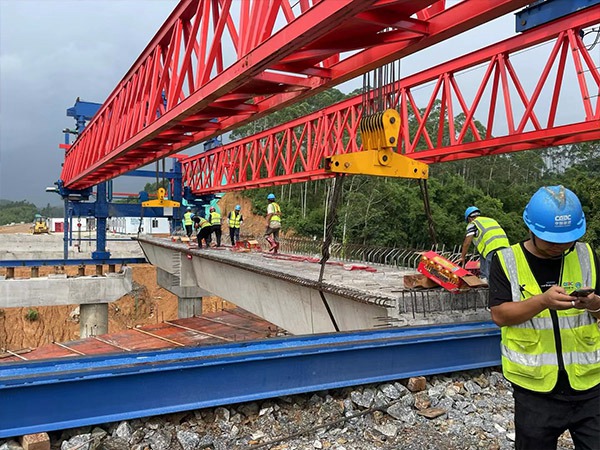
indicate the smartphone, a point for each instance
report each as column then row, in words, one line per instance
column 584, row 292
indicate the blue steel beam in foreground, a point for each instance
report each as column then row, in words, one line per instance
column 113, row 388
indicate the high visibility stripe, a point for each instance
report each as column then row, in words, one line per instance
column 584, row 263
column 531, row 360
column 546, row 359
column 586, row 358
column 510, row 263
column 564, row 322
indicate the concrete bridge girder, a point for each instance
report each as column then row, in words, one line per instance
column 290, row 304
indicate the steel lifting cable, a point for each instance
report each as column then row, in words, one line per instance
column 427, row 206
column 335, row 196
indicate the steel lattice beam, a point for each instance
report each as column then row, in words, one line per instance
column 294, row 152
column 182, row 89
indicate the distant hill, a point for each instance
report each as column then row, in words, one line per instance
column 24, row 211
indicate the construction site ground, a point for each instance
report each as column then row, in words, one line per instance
column 147, row 304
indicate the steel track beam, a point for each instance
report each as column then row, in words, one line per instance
column 113, row 388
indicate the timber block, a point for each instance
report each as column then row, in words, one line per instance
column 418, row 280
column 37, row 441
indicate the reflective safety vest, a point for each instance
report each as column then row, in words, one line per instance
column 187, row 218
column 203, row 223
column 276, row 212
column 490, row 236
column 529, row 355
column 215, row 218
column 235, row 220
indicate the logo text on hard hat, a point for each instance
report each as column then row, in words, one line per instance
column 563, row 220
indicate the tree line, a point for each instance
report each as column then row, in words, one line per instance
column 24, row 211
column 390, row 212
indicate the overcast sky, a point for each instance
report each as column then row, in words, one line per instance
column 53, row 51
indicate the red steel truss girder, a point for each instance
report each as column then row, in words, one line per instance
column 294, row 151
column 180, row 86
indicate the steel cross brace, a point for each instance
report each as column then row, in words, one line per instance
column 111, row 388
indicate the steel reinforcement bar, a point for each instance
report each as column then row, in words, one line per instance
column 111, row 388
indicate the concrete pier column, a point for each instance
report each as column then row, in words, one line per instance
column 111, row 268
column 189, row 298
column 35, row 272
column 93, row 319
column 189, row 307
column 81, row 270
column 10, row 273
column 99, row 270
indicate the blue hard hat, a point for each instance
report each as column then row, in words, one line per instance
column 238, row 207
column 470, row 210
column 271, row 197
column 554, row 214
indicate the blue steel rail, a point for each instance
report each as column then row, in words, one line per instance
column 69, row 262
column 111, row 388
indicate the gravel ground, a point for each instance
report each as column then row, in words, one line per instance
column 461, row 411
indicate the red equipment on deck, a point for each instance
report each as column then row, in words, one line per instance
column 447, row 274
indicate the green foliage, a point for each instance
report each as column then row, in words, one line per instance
column 390, row 212
column 16, row 212
column 32, row 315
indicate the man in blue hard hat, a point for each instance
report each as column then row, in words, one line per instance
column 234, row 220
column 486, row 234
column 550, row 336
column 273, row 223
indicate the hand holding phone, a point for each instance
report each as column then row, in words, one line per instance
column 583, row 292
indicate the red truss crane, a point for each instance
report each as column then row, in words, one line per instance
column 294, row 152
column 183, row 89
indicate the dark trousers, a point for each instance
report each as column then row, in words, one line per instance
column 540, row 420
column 188, row 230
column 204, row 235
column 217, row 230
column 234, row 235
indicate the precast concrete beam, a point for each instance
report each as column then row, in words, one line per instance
column 290, row 299
column 60, row 290
column 286, row 291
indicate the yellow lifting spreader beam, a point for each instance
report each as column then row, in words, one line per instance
column 379, row 134
column 161, row 201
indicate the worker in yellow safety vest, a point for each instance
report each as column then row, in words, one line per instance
column 203, row 229
column 214, row 218
column 187, row 221
column 487, row 236
column 273, row 223
column 235, row 220
column 542, row 296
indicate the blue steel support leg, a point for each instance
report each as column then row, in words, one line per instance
column 101, row 216
column 66, row 231
column 112, row 388
column 177, row 193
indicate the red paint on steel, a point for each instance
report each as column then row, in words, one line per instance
column 181, row 90
column 294, row 152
